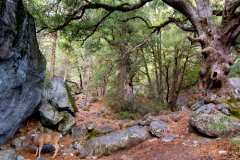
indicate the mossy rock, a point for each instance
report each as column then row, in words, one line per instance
column 71, row 99
column 96, row 133
column 235, row 112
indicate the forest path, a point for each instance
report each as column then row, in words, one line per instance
column 189, row 145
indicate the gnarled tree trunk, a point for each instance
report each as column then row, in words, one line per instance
column 215, row 41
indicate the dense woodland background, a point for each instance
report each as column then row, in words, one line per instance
column 126, row 56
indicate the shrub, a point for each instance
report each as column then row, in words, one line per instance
column 134, row 108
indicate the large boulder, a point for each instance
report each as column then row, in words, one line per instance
column 78, row 132
column 49, row 115
column 213, row 122
column 59, row 95
column 107, row 144
column 66, row 123
column 22, row 67
column 8, row 155
column 235, row 82
column 159, row 128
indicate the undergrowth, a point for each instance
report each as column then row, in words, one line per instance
column 132, row 109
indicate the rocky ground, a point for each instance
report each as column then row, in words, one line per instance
column 189, row 145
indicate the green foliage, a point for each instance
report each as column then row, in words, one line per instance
column 235, row 112
column 132, row 109
column 222, row 123
column 235, row 69
column 47, row 79
column 236, row 142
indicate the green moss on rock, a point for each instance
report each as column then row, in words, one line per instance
column 235, row 112
column 72, row 101
column 96, row 133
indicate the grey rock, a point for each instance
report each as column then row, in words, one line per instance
column 69, row 150
column 92, row 100
column 45, row 149
column 22, row 138
column 169, row 137
column 78, row 132
column 164, row 119
column 226, row 111
column 158, row 128
column 176, row 118
column 42, row 158
column 147, row 119
column 17, row 143
column 90, row 126
column 224, row 108
column 235, row 82
column 153, row 139
column 99, row 146
column 8, row 155
column 75, row 97
column 183, row 108
column 49, row 115
column 181, row 101
column 77, row 145
column 67, row 123
column 212, row 122
column 221, row 106
column 20, row 157
column 56, row 94
column 22, row 68
column 106, row 128
column 197, row 105
column 123, row 157
column 101, row 110
column 25, row 144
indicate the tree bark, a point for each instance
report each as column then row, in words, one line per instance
column 150, row 85
column 129, row 82
column 55, row 36
column 215, row 41
column 88, row 79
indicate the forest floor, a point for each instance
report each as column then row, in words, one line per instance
column 188, row 146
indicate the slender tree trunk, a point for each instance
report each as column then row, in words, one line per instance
column 66, row 70
column 129, row 78
column 173, row 90
column 88, row 79
column 80, row 85
column 150, row 85
column 160, row 67
column 156, row 72
column 54, row 47
column 122, row 72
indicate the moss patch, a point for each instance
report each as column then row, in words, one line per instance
column 222, row 123
column 96, row 133
column 72, row 101
column 235, row 112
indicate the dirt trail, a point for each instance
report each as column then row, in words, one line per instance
column 188, row 146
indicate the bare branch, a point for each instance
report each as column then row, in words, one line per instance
column 200, row 39
column 141, row 18
column 183, row 26
column 97, row 25
column 156, row 29
column 139, row 45
column 187, row 9
column 231, row 6
column 125, row 7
